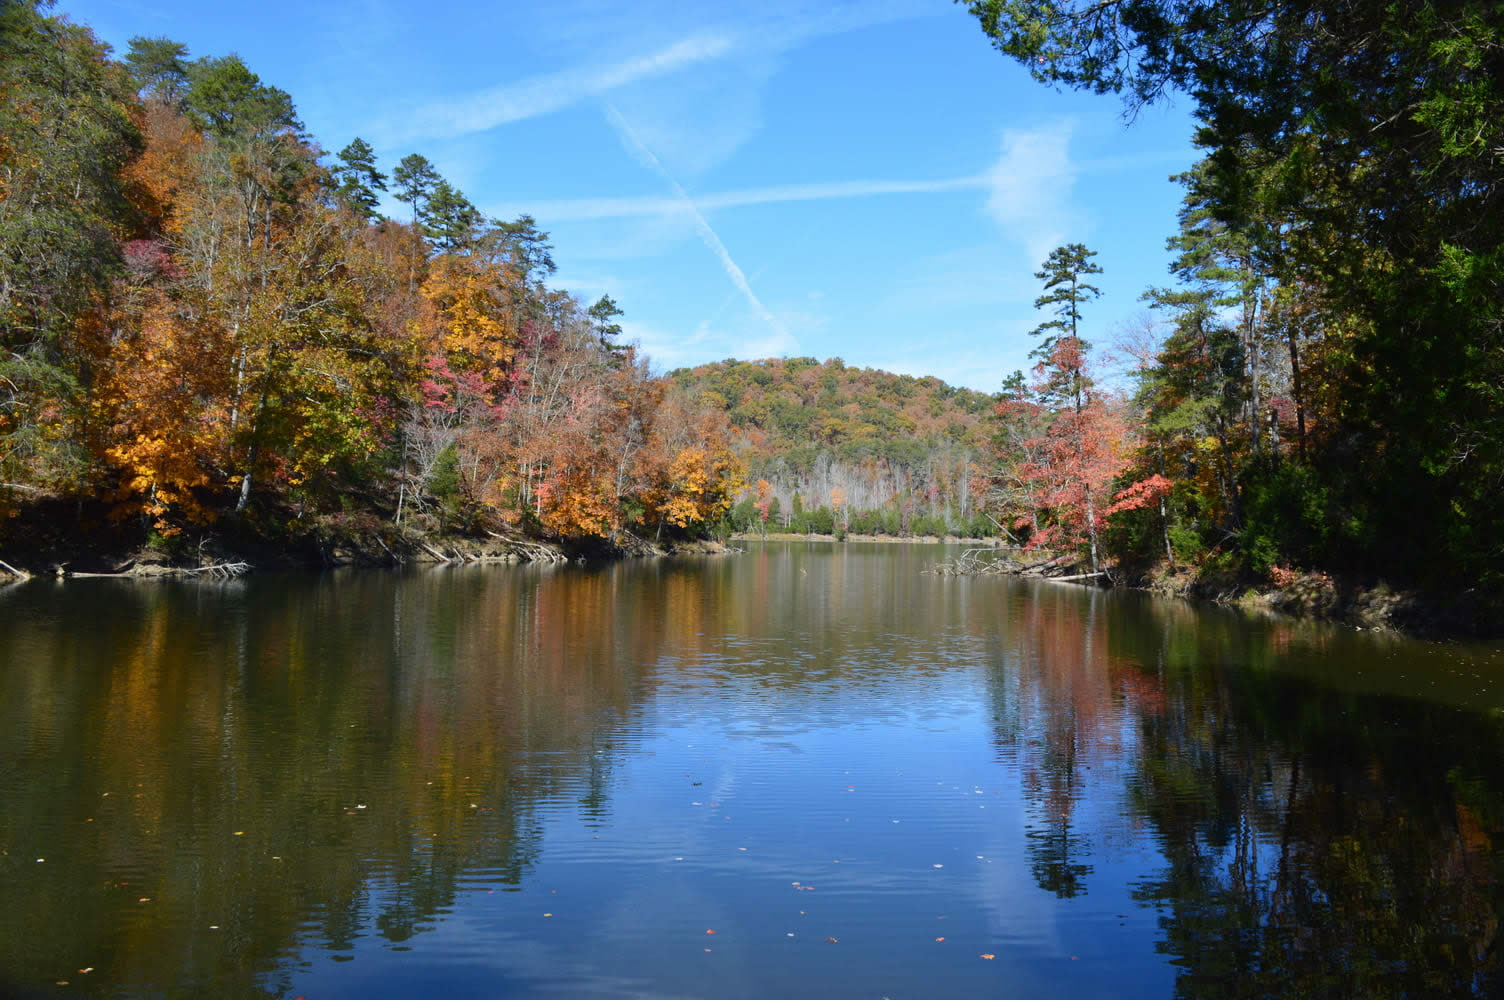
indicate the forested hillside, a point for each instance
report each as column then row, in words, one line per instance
column 834, row 446
column 206, row 320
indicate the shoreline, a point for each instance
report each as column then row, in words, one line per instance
column 786, row 536
column 52, row 548
column 1309, row 595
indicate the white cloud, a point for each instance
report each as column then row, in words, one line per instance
column 1031, row 187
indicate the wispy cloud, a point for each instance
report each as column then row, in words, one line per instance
column 783, row 338
column 1031, row 186
column 714, row 118
column 551, row 92
column 1022, row 192
column 572, row 209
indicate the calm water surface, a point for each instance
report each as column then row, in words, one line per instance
column 801, row 771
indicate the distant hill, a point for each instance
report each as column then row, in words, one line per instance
column 895, row 447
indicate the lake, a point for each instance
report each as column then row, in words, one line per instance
column 808, row 770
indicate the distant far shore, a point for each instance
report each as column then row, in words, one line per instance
column 788, row 536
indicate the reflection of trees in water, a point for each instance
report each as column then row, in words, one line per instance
column 1315, row 842
column 1330, row 848
column 1061, row 723
column 267, row 761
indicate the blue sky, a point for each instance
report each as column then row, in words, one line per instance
column 870, row 181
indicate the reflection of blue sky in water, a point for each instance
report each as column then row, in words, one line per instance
column 849, row 773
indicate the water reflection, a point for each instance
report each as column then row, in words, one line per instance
column 286, row 783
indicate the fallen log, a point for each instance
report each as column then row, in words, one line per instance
column 441, row 557
column 1039, row 567
column 219, row 571
column 17, row 573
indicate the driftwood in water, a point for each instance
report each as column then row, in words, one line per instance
column 972, row 563
column 441, row 557
column 512, row 549
column 532, row 551
column 216, row 571
column 19, row 574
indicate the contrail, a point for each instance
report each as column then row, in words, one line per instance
column 711, row 240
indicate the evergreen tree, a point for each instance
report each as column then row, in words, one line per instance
column 415, row 178
column 603, row 317
column 358, row 179
column 451, row 219
column 1065, row 291
column 159, row 67
column 231, row 102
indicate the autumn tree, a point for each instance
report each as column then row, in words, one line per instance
column 1081, row 439
column 1079, row 457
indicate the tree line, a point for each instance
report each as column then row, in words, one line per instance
column 204, row 317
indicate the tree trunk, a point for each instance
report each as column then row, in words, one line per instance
column 1300, row 409
column 1164, row 517
column 1091, row 527
column 245, row 481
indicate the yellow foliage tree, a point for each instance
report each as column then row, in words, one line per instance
column 162, row 402
column 699, row 487
column 475, row 322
